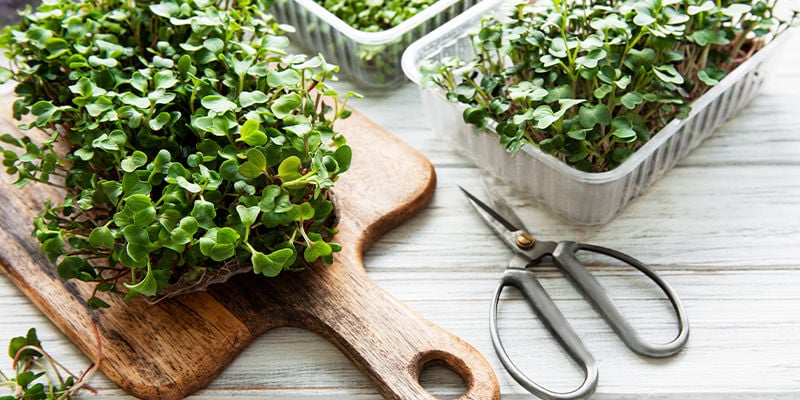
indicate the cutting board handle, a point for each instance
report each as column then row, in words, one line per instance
column 390, row 343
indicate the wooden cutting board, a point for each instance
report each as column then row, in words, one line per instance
column 173, row 348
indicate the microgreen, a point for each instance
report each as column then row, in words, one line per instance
column 37, row 376
column 186, row 136
column 590, row 81
column 374, row 15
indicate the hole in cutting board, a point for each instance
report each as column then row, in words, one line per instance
column 441, row 381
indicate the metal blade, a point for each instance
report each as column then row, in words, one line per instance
column 499, row 223
column 502, row 207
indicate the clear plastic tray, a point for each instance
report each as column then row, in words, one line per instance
column 369, row 59
column 580, row 197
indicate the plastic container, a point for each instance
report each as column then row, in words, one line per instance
column 368, row 59
column 584, row 198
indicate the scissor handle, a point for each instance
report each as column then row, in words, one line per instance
column 552, row 318
column 564, row 257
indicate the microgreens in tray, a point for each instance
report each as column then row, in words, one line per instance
column 590, row 81
column 189, row 142
column 374, row 15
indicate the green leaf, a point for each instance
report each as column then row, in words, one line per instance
column 146, row 287
column 280, row 79
column 191, row 187
column 249, row 170
column 263, row 265
column 101, row 237
column 44, row 111
column 74, row 267
column 249, row 215
column 95, row 303
column 669, row 74
column 611, row 21
column 735, row 10
column 247, row 99
column 214, row 45
column 316, row 248
column 99, row 106
column 257, row 158
column 285, row 105
column 602, row 91
column 16, row 344
column 219, row 243
column 592, row 58
column 183, row 233
column 289, row 169
column 165, row 9
column 96, row 61
column 643, row 58
column 164, row 79
column 229, row 170
column 204, row 213
column 218, row 104
column 343, row 156
column 705, row 7
column 159, row 121
column 112, row 190
column 134, row 100
column 132, row 185
column 144, row 212
column 134, row 161
column 711, row 76
column 708, row 37
column 5, row 75
column 251, row 134
column 272, row 264
column 631, row 99
column 302, row 212
column 589, row 116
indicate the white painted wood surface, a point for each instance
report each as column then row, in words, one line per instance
column 723, row 228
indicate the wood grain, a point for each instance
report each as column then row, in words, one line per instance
column 176, row 347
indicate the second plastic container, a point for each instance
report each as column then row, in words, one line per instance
column 369, row 59
column 581, row 197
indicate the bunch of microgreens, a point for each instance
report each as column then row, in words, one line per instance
column 37, row 376
column 186, row 138
column 590, row 81
column 374, row 15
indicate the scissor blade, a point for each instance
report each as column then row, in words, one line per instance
column 499, row 223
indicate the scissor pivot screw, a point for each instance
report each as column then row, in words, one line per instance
column 525, row 241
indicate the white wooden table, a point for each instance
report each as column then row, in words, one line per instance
column 723, row 228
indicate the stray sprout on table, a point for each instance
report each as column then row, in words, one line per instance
column 38, row 376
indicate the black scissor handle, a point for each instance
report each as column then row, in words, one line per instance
column 552, row 318
column 564, row 257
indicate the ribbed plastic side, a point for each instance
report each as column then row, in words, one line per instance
column 580, row 197
column 371, row 60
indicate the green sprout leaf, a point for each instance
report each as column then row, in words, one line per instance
column 135, row 160
column 146, row 287
column 285, row 105
column 251, row 134
column 218, row 104
column 219, row 243
column 101, row 237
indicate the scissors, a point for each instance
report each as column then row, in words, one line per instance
column 530, row 251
